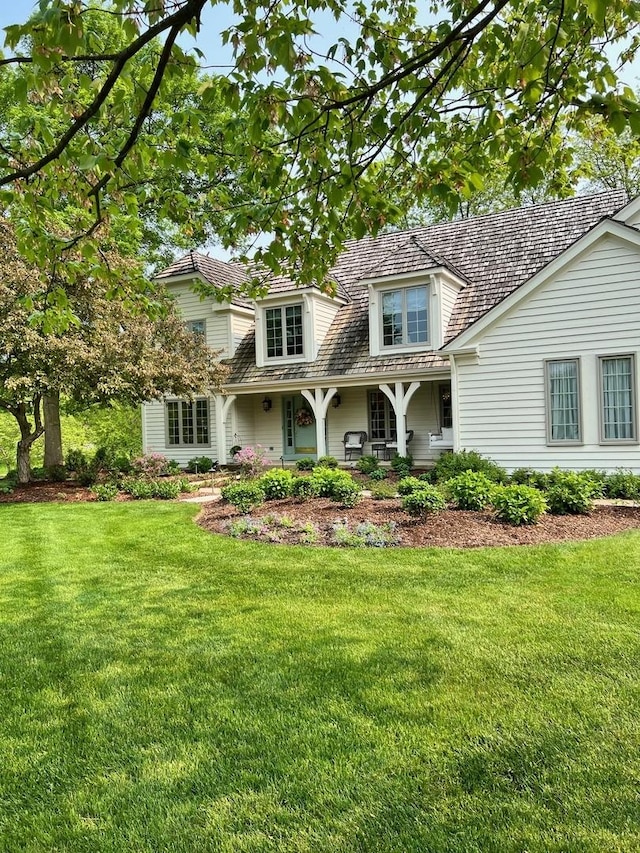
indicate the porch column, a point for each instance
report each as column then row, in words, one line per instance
column 319, row 402
column 223, row 404
column 400, row 400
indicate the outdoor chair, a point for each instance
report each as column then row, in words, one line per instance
column 353, row 443
column 391, row 446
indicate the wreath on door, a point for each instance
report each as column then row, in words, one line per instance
column 303, row 417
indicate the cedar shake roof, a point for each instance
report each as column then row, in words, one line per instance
column 492, row 254
column 215, row 272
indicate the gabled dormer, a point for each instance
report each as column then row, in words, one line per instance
column 222, row 322
column 411, row 296
column 291, row 322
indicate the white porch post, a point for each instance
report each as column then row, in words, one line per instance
column 319, row 402
column 223, row 404
column 400, row 400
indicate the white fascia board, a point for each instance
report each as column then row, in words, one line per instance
column 427, row 272
column 341, row 381
column 604, row 228
column 629, row 211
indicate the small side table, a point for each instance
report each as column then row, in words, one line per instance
column 379, row 449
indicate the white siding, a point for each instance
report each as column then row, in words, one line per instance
column 448, row 296
column 590, row 309
column 240, row 324
column 324, row 312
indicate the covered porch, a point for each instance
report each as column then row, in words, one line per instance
column 400, row 416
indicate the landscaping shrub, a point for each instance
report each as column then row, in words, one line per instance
column 407, row 485
column 623, row 485
column 276, row 484
column 105, row 491
column 8, row 483
column 102, row 460
column 122, row 464
column 56, row 473
column 75, row 460
column 570, row 493
column 368, row 464
column 166, row 489
column 304, row 488
column 244, row 496
column 402, row 465
column 428, row 477
column 200, row 465
column 327, row 462
column 138, row 489
column 150, row 465
column 86, row 476
column 252, row 460
column 528, row 477
column 326, row 479
column 449, row 465
column 346, row 492
column 470, row 490
column 378, row 474
column 306, row 464
column 518, row 504
column 383, row 491
column 420, row 503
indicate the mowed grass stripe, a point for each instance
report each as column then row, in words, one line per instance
column 164, row 689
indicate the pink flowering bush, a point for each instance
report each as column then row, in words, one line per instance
column 151, row 465
column 252, row 460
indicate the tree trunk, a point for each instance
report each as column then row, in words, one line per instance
column 28, row 436
column 52, row 431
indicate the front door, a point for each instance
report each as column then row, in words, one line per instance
column 299, row 436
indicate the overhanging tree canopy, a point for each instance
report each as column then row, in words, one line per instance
column 424, row 106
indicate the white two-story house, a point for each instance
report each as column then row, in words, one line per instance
column 516, row 334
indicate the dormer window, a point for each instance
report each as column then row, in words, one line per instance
column 198, row 328
column 284, row 338
column 405, row 316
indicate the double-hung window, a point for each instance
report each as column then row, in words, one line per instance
column 284, row 331
column 188, row 423
column 405, row 316
column 617, row 399
column 563, row 401
column 197, row 327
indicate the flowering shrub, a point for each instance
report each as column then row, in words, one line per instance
column 252, row 460
column 150, row 465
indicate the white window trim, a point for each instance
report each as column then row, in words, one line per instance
column 180, row 401
column 566, row 442
column 376, row 291
column 270, row 359
column 634, row 401
column 262, row 360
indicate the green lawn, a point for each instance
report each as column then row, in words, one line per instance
column 166, row 690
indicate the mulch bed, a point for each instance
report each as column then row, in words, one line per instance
column 451, row 528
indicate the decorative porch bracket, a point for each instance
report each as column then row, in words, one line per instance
column 319, row 402
column 400, row 401
column 223, row 404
